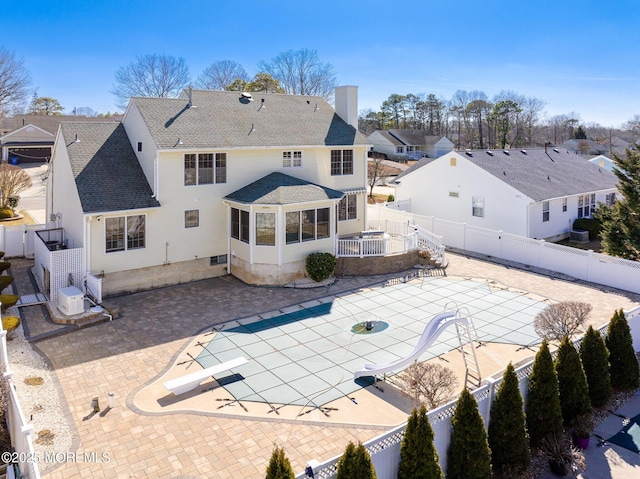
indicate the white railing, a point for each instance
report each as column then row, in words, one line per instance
column 385, row 449
column 399, row 237
column 19, row 429
column 585, row 265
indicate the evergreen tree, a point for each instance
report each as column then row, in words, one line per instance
column 279, row 466
column 355, row 463
column 572, row 383
column 595, row 361
column 625, row 374
column 620, row 222
column 507, row 432
column 544, row 416
column 418, row 455
column 468, row 456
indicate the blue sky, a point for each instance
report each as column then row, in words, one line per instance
column 576, row 56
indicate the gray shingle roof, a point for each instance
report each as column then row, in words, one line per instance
column 539, row 174
column 414, row 137
column 107, row 173
column 222, row 119
column 280, row 189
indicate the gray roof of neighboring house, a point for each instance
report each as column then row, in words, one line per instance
column 415, row 137
column 225, row 119
column 50, row 123
column 280, row 189
column 539, row 174
column 387, row 136
column 107, row 173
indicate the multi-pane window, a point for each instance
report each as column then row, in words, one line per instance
column 240, row 225
column 291, row 159
column 399, row 149
column 610, row 199
column 307, row 225
column 341, row 162
column 586, row 205
column 477, row 205
column 292, row 227
column 205, row 168
column 125, row 233
column 191, row 218
column 266, row 229
column 347, row 208
column 545, row 211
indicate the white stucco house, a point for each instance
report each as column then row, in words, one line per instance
column 537, row 193
column 407, row 144
column 213, row 182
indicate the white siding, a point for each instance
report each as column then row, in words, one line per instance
column 62, row 195
column 431, row 190
column 137, row 132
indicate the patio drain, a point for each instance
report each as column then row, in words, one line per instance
column 369, row 327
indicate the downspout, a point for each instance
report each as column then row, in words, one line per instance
column 87, row 244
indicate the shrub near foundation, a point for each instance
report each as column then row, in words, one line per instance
column 7, row 301
column 5, row 281
column 320, row 266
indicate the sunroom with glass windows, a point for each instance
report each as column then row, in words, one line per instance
column 275, row 223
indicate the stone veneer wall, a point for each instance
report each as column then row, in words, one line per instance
column 380, row 264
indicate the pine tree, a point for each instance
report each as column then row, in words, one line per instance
column 355, row 463
column 625, row 374
column 572, row 383
column 620, row 222
column 279, row 466
column 595, row 361
column 544, row 416
column 418, row 455
column 507, row 432
column 468, row 456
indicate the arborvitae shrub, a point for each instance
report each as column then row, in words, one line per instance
column 7, row 301
column 507, row 431
column 418, row 455
column 595, row 362
column 468, row 456
column 279, row 466
column 572, row 383
column 320, row 266
column 5, row 281
column 544, row 416
column 625, row 374
column 355, row 463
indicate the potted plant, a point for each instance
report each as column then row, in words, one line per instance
column 559, row 454
column 582, row 427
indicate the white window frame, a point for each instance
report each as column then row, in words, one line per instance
column 218, row 174
column 477, row 206
column 545, row 211
column 191, row 219
column 292, row 159
column 128, row 234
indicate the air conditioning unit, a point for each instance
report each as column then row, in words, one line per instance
column 579, row 236
column 70, row 301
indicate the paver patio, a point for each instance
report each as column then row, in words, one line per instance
column 121, row 356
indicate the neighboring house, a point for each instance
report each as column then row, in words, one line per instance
column 603, row 162
column 537, row 193
column 585, row 147
column 211, row 183
column 30, row 138
column 405, row 144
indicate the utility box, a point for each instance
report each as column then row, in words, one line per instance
column 70, row 301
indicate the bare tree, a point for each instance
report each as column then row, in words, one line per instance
column 13, row 181
column 14, row 81
column 377, row 170
column 220, row 74
column 301, row 72
column 561, row 320
column 430, row 383
column 153, row 75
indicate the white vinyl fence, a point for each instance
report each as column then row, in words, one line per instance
column 17, row 240
column 19, row 429
column 585, row 265
column 385, row 449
